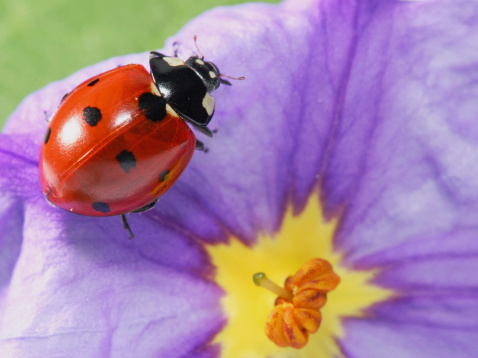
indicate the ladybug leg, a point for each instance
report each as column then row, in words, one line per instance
column 200, row 146
column 225, row 82
column 126, row 226
column 204, row 130
column 176, row 45
column 146, row 207
column 47, row 119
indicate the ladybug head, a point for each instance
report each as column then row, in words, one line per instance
column 207, row 72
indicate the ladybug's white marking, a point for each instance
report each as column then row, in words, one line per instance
column 208, row 104
column 212, row 74
column 199, row 61
column 155, row 90
column 171, row 111
column 173, row 61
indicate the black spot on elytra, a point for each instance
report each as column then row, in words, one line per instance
column 92, row 115
column 92, row 83
column 164, row 176
column 127, row 160
column 153, row 106
column 101, row 207
column 47, row 135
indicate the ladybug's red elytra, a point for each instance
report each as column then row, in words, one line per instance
column 119, row 140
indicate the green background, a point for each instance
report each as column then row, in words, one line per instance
column 44, row 41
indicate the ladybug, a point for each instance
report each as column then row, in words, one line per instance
column 120, row 140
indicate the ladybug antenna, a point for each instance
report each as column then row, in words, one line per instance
column 232, row 78
column 197, row 47
column 225, row 82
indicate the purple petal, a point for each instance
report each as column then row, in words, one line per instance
column 76, row 283
column 369, row 338
column 403, row 160
column 374, row 101
column 403, row 167
column 440, row 326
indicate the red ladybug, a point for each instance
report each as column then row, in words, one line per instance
column 120, row 140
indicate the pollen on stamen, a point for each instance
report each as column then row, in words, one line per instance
column 296, row 313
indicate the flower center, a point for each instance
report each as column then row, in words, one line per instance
column 246, row 308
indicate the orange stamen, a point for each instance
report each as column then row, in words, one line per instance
column 297, row 309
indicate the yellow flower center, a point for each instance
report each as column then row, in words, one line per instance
column 247, row 307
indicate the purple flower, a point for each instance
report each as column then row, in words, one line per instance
column 371, row 102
